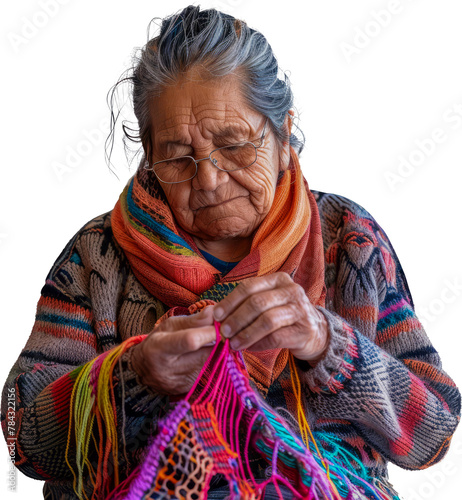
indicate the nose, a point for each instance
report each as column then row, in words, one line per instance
column 208, row 176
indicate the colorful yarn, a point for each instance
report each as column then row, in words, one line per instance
column 93, row 399
column 220, row 427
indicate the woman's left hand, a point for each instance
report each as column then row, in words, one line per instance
column 270, row 312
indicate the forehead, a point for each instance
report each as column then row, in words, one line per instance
column 203, row 108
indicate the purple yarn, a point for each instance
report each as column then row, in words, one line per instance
column 167, row 429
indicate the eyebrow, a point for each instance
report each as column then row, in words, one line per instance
column 229, row 131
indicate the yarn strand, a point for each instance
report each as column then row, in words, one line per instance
column 213, row 430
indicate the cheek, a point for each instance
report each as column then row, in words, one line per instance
column 260, row 182
column 178, row 199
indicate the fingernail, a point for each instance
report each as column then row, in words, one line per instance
column 235, row 344
column 218, row 313
column 226, row 330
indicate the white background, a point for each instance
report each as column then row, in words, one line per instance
column 360, row 113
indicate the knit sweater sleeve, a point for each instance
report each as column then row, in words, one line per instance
column 381, row 382
column 54, row 381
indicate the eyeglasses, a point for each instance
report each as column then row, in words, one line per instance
column 228, row 158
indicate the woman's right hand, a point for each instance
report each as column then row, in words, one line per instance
column 170, row 358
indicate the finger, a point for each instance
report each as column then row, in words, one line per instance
column 255, row 305
column 282, row 338
column 266, row 324
column 202, row 318
column 247, row 288
column 186, row 341
column 302, row 343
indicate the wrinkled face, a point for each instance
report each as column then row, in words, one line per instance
column 193, row 118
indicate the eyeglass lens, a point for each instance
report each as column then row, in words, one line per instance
column 228, row 158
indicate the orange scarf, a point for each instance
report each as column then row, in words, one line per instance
column 167, row 262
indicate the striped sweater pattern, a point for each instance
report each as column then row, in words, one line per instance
column 380, row 390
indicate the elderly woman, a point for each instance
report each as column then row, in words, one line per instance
column 218, row 223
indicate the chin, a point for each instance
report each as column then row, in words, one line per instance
column 224, row 233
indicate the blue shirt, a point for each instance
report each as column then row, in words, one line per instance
column 223, row 266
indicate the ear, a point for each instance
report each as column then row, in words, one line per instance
column 284, row 150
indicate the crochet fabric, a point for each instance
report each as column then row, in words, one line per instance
column 380, row 392
column 215, row 429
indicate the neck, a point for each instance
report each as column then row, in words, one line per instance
column 231, row 250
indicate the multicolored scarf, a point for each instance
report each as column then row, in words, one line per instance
column 166, row 260
column 223, row 423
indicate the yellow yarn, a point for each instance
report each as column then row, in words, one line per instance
column 303, row 423
column 85, row 407
column 80, row 413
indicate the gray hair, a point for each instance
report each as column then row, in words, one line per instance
column 218, row 43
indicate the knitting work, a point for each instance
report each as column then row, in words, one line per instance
column 380, row 394
column 216, row 429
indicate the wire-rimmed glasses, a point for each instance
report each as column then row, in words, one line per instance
column 227, row 158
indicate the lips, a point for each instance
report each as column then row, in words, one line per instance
column 212, row 205
column 221, row 203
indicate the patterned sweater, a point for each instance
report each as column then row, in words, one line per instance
column 380, row 389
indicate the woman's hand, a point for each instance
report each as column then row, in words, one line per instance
column 270, row 312
column 170, row 358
